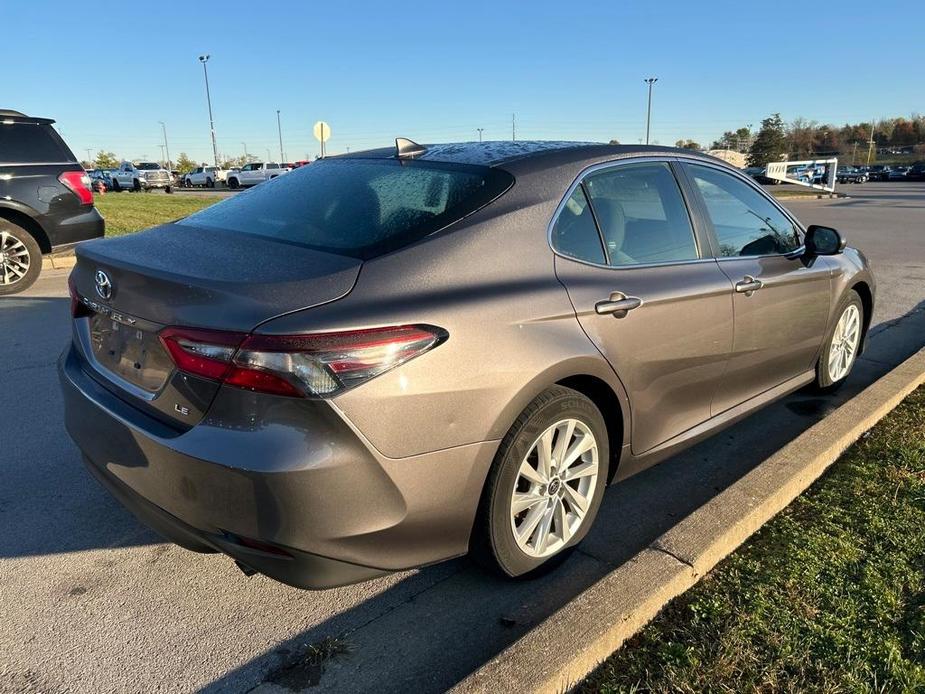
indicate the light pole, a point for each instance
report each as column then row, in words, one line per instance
column 244, row 144
column 268, row 154
column 650, row 81
column 279, row 129
column 162, row 156
column 480, row 133
column 166, row 148
column 89, row 158
column 204, row 59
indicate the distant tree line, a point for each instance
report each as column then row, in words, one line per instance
column 802, row 139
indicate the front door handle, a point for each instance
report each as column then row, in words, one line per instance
column 618, row 304
column 748, row 284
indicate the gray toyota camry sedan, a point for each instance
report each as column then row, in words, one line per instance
column 395, row 357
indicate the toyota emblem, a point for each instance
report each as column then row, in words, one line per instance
column 103, row 285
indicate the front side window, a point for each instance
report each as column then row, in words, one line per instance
column 746, row 223
column 642, row 215
column 575, row 233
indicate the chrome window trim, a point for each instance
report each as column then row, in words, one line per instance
column 603, row 166
column 748, row 180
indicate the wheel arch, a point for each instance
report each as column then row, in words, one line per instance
column 27, row 222
column 611, row 408
column 867, row 300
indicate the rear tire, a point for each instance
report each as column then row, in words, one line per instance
column 841, row 346
column 532, row 514
column 210, row 183
column 20, row 259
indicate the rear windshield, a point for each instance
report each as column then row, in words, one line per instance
column 28, row 143
column 357, row 207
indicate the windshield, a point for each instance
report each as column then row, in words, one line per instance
column 358, row 207
column 147, row 166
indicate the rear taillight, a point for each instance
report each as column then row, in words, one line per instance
column 319, row 364
column 78, row 182
column 78, row 308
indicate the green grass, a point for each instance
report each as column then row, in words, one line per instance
column 129, row 212
column 827, row 597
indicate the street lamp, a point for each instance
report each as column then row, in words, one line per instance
column 244, row 144
column 204, row 59
column 650, row 81
column 166, row 148
column 279, row 129
column 480, row 133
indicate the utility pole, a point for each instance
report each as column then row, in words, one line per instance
column 204, row 59
column 279, row 128
column 650, row 81
column 513, row 127
column 479, row 129
column 167, row 149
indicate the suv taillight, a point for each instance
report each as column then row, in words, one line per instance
column 313, row 365
column 78, row 182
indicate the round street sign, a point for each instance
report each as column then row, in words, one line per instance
column 322, row 131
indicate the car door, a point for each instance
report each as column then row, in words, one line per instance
column 647, row 293
column 781, row 298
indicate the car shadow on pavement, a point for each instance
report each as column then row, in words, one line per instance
column 49, row 504
column 436, row 625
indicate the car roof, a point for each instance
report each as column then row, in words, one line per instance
column 540, row 153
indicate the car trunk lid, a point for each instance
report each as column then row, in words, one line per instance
column 133, row 287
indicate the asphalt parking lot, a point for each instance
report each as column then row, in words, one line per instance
column 92, row 601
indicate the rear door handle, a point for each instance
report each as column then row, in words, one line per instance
column 748, row 284
column 618, row 305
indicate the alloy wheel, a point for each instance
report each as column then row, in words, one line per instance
column 14, row 259
column 844, row 343
column 554, row 487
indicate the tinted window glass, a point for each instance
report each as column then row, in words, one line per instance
column 575, row 233
column 642, row 215
column 25, row 143
column 358, row 207
column 746, row 223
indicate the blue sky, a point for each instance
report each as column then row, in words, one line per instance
column 436, row 71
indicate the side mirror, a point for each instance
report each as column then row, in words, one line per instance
column 823, row 241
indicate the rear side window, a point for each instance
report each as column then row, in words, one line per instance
column 358, row 207
column 28, row 143
column 642, row 215
column 746, row 223
column 575, row 233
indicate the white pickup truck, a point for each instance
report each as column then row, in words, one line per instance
column 254, row 173
column 144, row 175
column 206, row 176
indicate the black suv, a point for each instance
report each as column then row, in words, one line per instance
column 45, row 199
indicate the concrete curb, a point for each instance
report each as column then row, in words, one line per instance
column 58, row 262
column 604, row 616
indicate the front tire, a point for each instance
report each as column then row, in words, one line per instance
column 233, row 183
column 841, row 347
column 20, row 258
column 545, row 485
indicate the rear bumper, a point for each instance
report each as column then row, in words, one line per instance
column 66, row 232
column 297, row 478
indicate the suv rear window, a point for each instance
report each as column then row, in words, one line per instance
column 30, row 143
column 358, row 207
